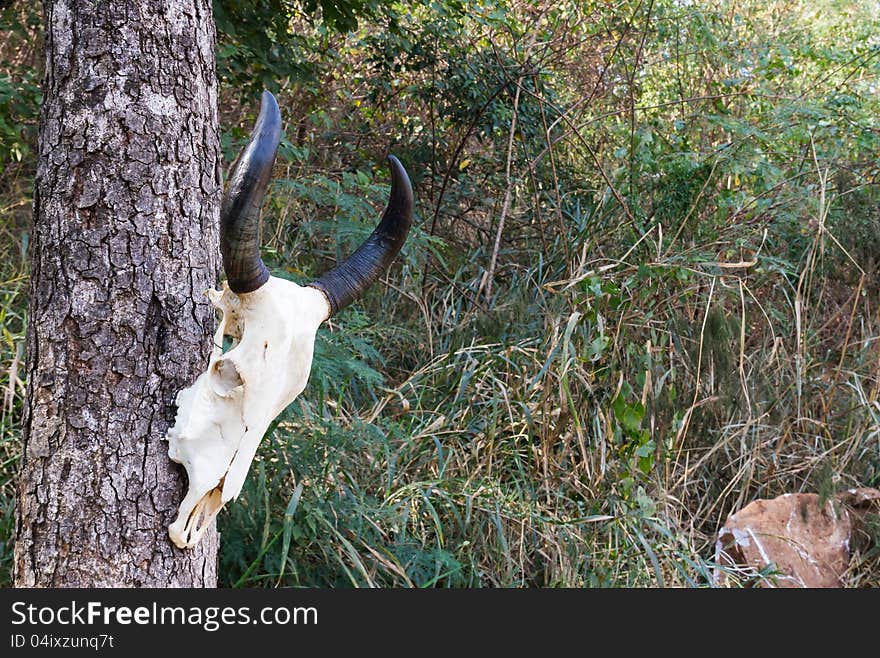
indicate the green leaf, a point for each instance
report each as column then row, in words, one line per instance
column 289, row 526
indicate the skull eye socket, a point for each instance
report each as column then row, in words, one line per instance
column 226, row 377
column 229, row 342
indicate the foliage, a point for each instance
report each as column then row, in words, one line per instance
column 19, row 106
column 641, row 291
column 265, row 42
column 19, row 91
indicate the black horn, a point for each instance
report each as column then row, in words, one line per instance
column 240, row 211
column 345, row 282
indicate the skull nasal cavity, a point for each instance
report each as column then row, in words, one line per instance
column 226, row 377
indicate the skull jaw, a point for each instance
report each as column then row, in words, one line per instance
column 194, row 518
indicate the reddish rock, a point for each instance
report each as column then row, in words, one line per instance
column 808, row 545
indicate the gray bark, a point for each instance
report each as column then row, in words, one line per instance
column 123, row 246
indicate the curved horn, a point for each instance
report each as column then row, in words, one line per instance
column 348, row 280
column 240, row 211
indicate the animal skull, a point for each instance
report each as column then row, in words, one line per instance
column 224, row 414
column 272, row 323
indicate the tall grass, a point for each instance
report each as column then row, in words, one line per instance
column 19, row 102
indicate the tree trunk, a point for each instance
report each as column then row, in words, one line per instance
column 124, row 244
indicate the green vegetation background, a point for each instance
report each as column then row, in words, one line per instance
column 642, row 290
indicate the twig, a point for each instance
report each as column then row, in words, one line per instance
column 487, row 280
column 686, row 421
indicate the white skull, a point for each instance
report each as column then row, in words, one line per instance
column 272, row 322
column 224, row 414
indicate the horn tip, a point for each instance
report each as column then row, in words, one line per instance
column 400, row 182
column 268, row 99
column 270, row 116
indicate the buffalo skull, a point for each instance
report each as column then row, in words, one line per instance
column 272, row 323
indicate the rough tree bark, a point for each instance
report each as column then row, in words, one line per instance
column 124, row 244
